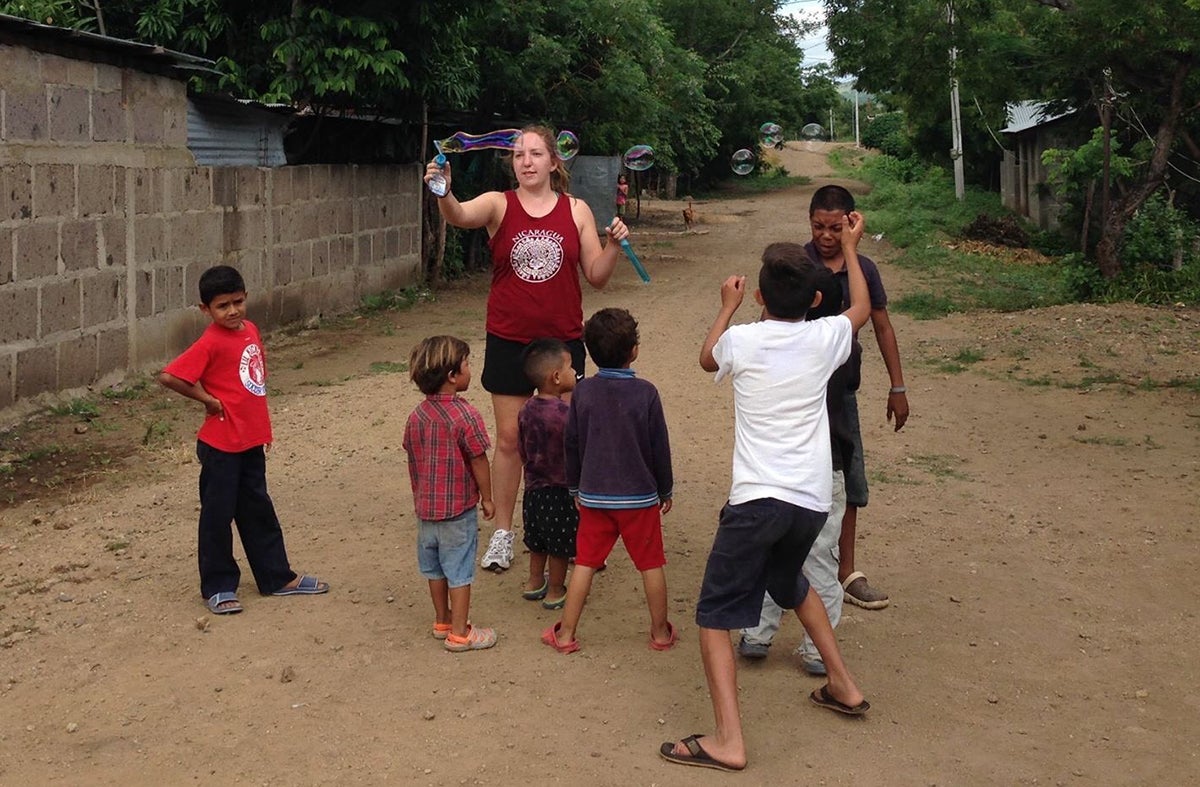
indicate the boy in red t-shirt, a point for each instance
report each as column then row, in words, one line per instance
column 225, row 370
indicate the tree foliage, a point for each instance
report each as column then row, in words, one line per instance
column 1134, row 61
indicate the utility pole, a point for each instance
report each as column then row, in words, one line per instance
column 956, row 152
column 831, row 124
column 857, row 139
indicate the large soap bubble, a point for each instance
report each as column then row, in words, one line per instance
column 639, row 158
column 742, row 162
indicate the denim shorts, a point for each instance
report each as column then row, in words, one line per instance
column 446, row 548
column 760, row 547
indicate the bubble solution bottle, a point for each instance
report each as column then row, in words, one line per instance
column 437, row 181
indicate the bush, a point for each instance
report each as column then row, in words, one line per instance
column 888, row 134
column 1156, row 234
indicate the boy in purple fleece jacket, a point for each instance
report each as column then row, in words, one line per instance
column 619, row 469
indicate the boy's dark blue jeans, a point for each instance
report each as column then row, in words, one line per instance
column 233, row 488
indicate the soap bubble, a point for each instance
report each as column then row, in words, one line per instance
column 770, row 134
column 568, row 145
column 812, row 131
column 639, row 158
column 742, row 162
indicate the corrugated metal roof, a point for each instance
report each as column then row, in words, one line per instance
column 1024, row 115
column 224, row 133
column 150, row 53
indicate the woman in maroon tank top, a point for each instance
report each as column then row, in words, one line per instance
column 541, row 239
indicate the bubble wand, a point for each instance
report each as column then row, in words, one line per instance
column 503, row 139
column 637, row 264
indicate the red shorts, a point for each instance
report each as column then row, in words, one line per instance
column 639, row 528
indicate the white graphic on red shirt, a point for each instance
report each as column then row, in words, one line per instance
column 537, row 254
column 253, row 371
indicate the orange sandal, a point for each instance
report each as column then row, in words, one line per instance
column 476, row 639
column 441, row 630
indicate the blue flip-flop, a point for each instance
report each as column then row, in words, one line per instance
column 307, row 586
column 215, row 601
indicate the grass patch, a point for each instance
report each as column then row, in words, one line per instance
column 116, row 546
column 133, row 390
column 387, row 367
column 924, row 306
column 80, row 408
column 940, row 466
column 1114, row 442
column 395, row 300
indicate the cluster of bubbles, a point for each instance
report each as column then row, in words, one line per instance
column 639, row 158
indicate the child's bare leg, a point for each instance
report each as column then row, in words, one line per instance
column 654, row 582
column 439, row 592
column 460, row 609
column 846, row 543
column 558, row 577
column 816, row 622
column 726, row 744
column 577, row 593
column 537, row 570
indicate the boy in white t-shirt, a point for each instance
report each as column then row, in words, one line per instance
column 782, row 486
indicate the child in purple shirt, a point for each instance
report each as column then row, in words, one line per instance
column 548, row 510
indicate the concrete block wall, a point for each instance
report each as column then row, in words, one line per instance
column 106, row 226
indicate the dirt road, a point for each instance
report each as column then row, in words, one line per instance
column 1035, row 523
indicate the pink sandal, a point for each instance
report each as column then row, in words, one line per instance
column 550, row 637
column 670, row 643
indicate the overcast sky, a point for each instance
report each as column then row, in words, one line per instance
column 814, row 46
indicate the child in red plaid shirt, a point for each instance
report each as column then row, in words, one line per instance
column 447, row 444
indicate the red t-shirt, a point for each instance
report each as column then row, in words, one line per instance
column 231, row 366
column 535, row 275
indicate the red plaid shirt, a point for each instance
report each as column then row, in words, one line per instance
column 443, row 434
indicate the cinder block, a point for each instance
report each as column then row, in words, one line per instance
column 318, row 181
column 8, row 393
column 320, row 258
column 16, row 201
column 112, row 243
column 36, row 371
column 362, row 250
column 108, row 77
column 251, row 189
column 6, row 255
column 149, row 120
column 224, row 185
column 344, row 213
column 95, row 190
column 244, row 229
column 192, row 272
column 249, row 263
column 103, row 298
column 149, row 243
column 196, row 187
column 79, row 244
column 36, row 250
column 59, row 306
column 301, row 261
column 147, row 191
column 69, row 116
column 391, row 243
column 281, row 185
column 77, row 362
column 21, row 67
column 112, row 350
column 143, row 299
column 301, row 182
column 25, row 115
column 168, row 288
column 175, row 126
column 110, row 121
column 18, row 313
column 53, row 190
column 281, row 265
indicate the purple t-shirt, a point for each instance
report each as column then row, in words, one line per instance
column 870, row 273
column 540, row 427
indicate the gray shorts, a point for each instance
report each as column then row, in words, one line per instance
column 856, row 471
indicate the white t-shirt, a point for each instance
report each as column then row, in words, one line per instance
column 780, row 371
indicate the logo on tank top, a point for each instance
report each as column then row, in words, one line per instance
column 253, row 371
column 537, row 254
